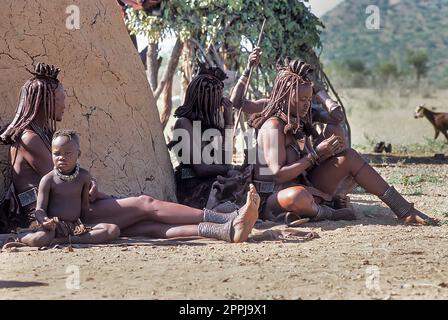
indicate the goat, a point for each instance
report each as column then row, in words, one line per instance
column 439, row 120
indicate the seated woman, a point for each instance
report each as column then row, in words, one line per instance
column 329, row 111
column 293, row 176
column 325, row 111
column 202, row 121
column 41, row 105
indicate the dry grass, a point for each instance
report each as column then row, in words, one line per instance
column 389, row 117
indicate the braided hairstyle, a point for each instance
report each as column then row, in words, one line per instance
column 37, row 95
column 203, row 99
column 290, row 75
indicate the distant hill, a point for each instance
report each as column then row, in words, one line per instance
column 404, row 24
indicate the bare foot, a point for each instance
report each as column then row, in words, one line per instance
column 416, row 217
column 344, row 214
column 247, row 216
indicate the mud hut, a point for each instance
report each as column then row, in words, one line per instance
column 109, row 100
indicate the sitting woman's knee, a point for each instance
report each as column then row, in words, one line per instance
column 348, row 155
column 298, row 197
column 146, row 203
column 351, row 153
column 337, row 130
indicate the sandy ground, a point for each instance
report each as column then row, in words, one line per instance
column 373, row 257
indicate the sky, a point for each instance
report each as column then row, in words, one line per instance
column 318, row 7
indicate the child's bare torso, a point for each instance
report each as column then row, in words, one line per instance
column 65, row 198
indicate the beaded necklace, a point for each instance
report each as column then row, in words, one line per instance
column 67, row 177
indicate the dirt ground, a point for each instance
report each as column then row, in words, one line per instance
column 373, row 257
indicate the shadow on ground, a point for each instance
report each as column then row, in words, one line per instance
column 21, row 284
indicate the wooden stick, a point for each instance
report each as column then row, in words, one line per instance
column 260, row 36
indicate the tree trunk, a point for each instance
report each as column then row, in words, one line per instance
column 167, row 82
column 187, row 65
column 153, row 62
column 167, row 103
column 229, row 57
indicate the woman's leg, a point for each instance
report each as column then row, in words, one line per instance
column 127, row 212
column 228, row 227
column 100, row 233
column 160, row 230
column 327, row 176
column 297, row 199
column 41, row 238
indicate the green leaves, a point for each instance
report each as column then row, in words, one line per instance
column 224, row 22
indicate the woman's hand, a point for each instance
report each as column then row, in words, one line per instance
column 93, row 191
column 254, row 58
column 329, row 147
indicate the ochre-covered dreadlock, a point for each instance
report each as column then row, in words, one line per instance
column 37, row 95
column 290, row 76
column 203, row 99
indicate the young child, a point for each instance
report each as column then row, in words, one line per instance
column 63, row 197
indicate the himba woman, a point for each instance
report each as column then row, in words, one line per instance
column 41, row 104
column 205, row 109
column 293, row 176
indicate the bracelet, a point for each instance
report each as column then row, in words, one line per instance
column 311, row 159
column 334, row 106
column 243, row 79
column 329, row 101
column 331, row 104
column 314, row 155
column 246, row 73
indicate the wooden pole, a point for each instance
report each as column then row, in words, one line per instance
column 260, row 36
